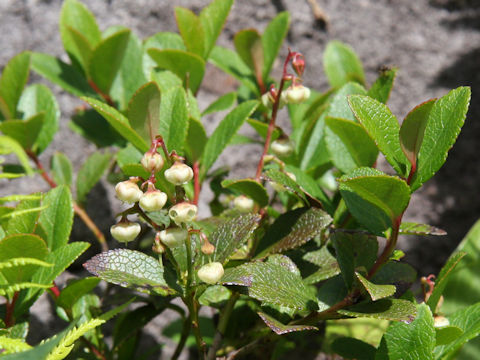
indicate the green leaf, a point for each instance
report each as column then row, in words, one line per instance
column 229, row 237
column 229, row 61
column 224, row 133
column 13, row 80
column 284, row 180
column 36, row 99
column 412, row 341
column 62, row 74
column 383, row 128
column 42, row 350
column 442, row 279
column 273, row 284
column 61, row 168
column 213, row 18
column 21, row 246
column 224, row 102
column 351, row 348
column 57, row 218
column 118, row 122
column 173, row 125
column 9, row 145
column 388, row 309
column 62, row 258
column 189, row 67
column 106, row 59
column 12, row 345
column 376, row 291
column 374, row 198
column 25, row 217
column 262, row 129
column 215, row 296
column 444, row 123
column 75, row 290
column 354, row 251
column 447, row 334
column 90, row 173
column 328, row 265
column 196, row 140
column 76, row 16
column 280, row 329
column 19, row 197
column 8, row 290
column 165, row 80
column 400, row 274
column 272, row 40
column 129, row 268
column 22, row 261
column 130, row 75
column 342, row 65
column 409, row 228
column 191, row 30
column 467, row 319
column 144, row 111
column 293, row 229
column 413, row 129
column 349, row 145
column 250, row 188
column 24, row 131
column 248, row 44
column 339, row 106
column 382, row 87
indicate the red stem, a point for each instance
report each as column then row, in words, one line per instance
column 54, row 289
column 271, row 125
column 106, row 97
column 196, row 182
column 79, row 211
column 10, row 307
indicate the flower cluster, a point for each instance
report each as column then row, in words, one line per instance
column 153, row 199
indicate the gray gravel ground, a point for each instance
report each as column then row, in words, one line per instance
column 436, row 45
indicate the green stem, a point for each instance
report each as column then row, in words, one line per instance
column 222, row 325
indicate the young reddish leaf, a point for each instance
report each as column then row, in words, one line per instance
column 412, row 130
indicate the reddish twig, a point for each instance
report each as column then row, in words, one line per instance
column 196, row 182
column 79, row 211
column 106, row 97
column 10, row 307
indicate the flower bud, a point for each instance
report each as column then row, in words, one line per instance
column 298, row 64
column 183, row 212
column 268, row 100
column 128, row 191
column 440, row 321
column 179, row 173
column 153, row 200
column 173, row 237
column 282, row 147
column 207, row 248
column 125, row 231
column 152, row 161
column 243, row 204
column 211, row 273
column 296, row 94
